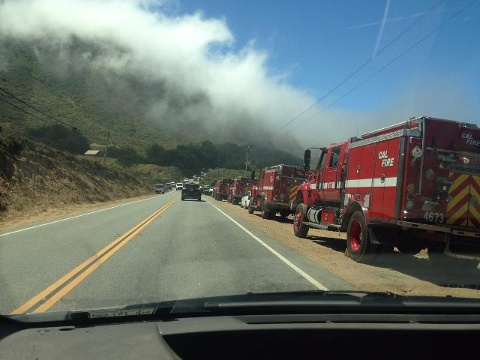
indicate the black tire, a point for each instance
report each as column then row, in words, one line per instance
column 199, row 198
column 266, row 214
column 299, row 228
column 359, row 247
column 284, row 213
column 250, row 207
column 183, row 199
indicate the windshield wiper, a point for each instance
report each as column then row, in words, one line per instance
column 341, row 301
column 259, row 303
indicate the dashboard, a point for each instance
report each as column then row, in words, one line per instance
column 269, row 336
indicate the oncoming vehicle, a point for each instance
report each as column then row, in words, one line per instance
column 159, row 189
column 191, row 191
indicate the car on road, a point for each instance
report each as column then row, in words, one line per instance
column 179, row 186
column 245, row 201
column 192, row 191
column 206, row 189
column 159, row 188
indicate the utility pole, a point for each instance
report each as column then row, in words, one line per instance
column 106, row 146
column 246, row 163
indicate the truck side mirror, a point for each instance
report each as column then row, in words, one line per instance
column 306, row 159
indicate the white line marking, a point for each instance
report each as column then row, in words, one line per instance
column 74, row 217
column 274, row 252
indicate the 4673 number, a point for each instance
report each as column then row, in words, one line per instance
column 433, row 217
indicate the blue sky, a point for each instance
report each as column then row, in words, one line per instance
column 319, row 43
column 249, row 68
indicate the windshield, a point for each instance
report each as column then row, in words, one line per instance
column 108, row 107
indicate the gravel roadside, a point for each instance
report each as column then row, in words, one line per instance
column 393, row 272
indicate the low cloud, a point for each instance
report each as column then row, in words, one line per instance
column 205, row 81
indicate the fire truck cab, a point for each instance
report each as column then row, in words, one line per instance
column 411, row 186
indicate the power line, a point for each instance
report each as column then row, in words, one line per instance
column 22, row 110
column 35, row 108
column 389, row 63
column 41, row 112
column 364, row 64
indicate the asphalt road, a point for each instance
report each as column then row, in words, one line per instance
column 155, row 249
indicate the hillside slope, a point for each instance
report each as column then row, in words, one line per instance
column 70, row 88
column 35, row 178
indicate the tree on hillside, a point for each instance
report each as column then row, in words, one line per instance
column 127, row 156
column 61, row 137
column 156, row 154
column 208, row 154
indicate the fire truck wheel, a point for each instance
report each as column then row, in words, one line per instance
column 250, row 207
column 358, row 246
column 266, row 214
column 284, row 214
column 299, row 228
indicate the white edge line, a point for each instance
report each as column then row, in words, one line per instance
column 74, row 217
column 274, row 252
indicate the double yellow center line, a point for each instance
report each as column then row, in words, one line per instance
column 48, row 297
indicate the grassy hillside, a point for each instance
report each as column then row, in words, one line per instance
column 96, row 101
column 93, row 101
column 35, row 178
column 41, row 90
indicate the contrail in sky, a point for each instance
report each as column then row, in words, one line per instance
column 399, row 18
column 380, row 33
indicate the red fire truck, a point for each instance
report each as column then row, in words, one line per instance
column 221, row 189
column 240, row 187
column 411, row 185
column 277, row 186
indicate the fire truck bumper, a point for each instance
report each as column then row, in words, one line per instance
column 457, row 233
column 439, row 228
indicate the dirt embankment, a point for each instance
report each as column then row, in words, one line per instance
column 36, row 179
